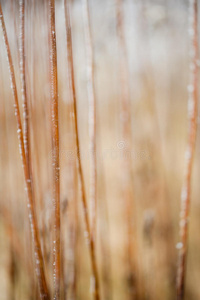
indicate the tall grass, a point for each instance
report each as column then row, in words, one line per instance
column 39, row 265
column 118, row 198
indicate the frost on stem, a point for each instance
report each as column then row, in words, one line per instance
column 23, row 80
column 55, row 149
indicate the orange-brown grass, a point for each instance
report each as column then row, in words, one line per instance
column 39, row 266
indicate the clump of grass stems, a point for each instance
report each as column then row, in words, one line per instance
column 39, row 265
column 64, row 224
column 95, row 290
column 190, row 150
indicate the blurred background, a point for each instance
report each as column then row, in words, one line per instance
column 157, row 47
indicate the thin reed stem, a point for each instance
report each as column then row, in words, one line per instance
column 55, row 149
column 23, row 81
column 95, row 283
column 26, row 117
column 125, row 121
column 71, row 279
column 39, row 265
column 91, row 116
column 105, row 237
column 190, row 150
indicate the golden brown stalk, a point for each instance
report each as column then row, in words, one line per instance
column 22, row 64
column 189, row 155
column 26, row 117
column 127, row 162
column 91, row 116
column 39, row 266
column 95, row 289
column 55, row 149
column 23, row 82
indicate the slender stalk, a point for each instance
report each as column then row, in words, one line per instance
column 13, row 11
column 39, row 265
column 73, row 211
column 105, row 237
column 131, row 246
column 23, row 82
column 95, row 289
column 26, row 118
column 71, row 274
column 55, row 149
column 190, row 150
column 92, row 115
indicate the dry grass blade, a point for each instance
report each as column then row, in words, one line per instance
column 30, row 201
column 55, row 149
column 131, row 247
column 72, row 267
column 95, row 281
column 189, row 155
column 23, row 82
column 92, row 116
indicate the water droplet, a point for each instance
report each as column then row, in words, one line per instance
column 179, row 245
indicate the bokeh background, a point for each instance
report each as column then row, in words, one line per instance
column 157, row 44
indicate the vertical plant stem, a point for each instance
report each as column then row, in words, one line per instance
column 95, row 289
column 26, row 117
column 125, row 119
column 55, row 150
column 13, row 10
column 72, row 267
column 105, row 237
column 92, row 115
column 23, row 84
column 189, row 155
column 39, row 266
